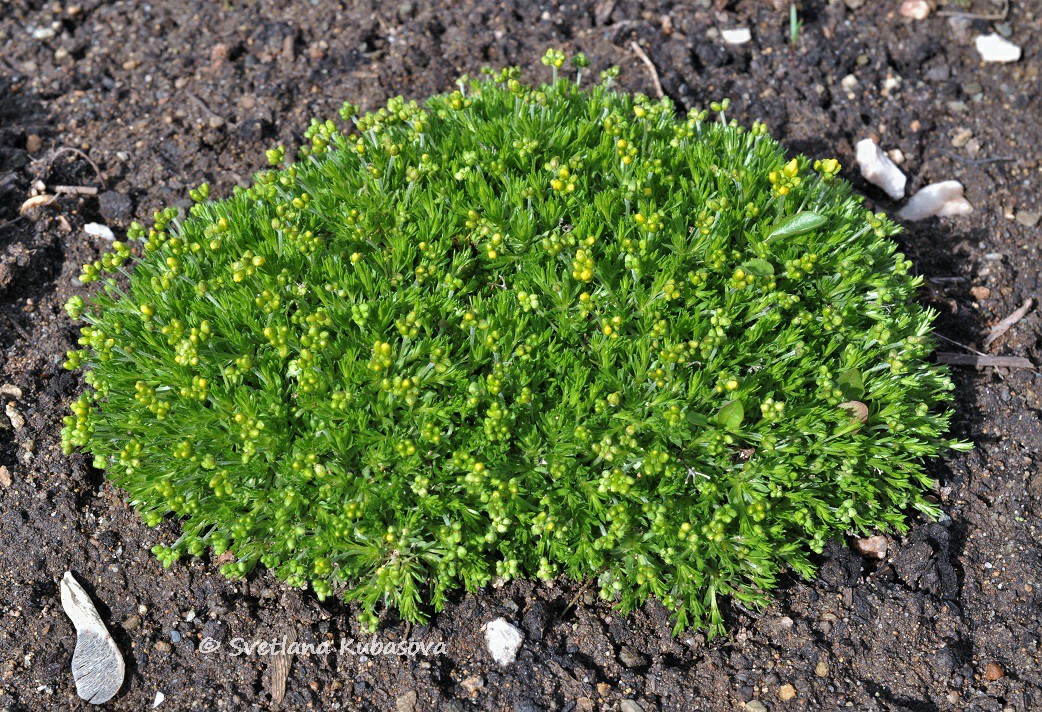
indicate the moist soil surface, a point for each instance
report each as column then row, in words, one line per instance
column 144, row 100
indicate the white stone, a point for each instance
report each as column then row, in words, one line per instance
column 737, row 36
column 159, row 699
column 503, row 640
column 878, row 169
column 996, row 48
column 97, row 664
column 915, row 9
column 942, row 199
column 16, row 418
column 99, row 230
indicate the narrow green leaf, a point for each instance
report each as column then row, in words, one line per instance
column 731, row 415
column 758, row 267
column 797, row 224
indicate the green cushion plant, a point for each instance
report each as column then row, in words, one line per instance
column 516, row 331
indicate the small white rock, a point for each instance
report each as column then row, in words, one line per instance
column 996, row 48
column 942, row 199
column 99, row 230
column 97, row 664
column 159, row 699
column 737, row 36
column 503, row 640
column 915, row 9
column 873, row 546
column 10, row 389
column 849, row 83
column 17, row 421
column 878, row 169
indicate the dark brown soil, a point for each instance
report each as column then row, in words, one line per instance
column 164, row 95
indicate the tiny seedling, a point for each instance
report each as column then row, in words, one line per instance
column 795, row 25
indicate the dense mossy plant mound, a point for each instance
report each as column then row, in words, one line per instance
column 517, row 331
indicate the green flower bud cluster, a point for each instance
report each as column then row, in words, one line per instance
column 516, row 331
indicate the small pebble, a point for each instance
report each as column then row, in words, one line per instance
column 502, row 640
column 915, row 9
column 162, row 646
column 1028, row 218
column 131, row 623
column 786, row 692
column 5, row 476
column 219, row 54
column 159, row 699
column 821, row 669
column 33, row 143
column 630, row 706
column 873, row 546
column 472, row 684
column 849, row 83
column 630, row 657
column 980, row 293
column 878, row 169
column 942, row 199
column 99, row 230
column 175, row 637
column 406, row 702
column 736, row 36
column 17, row 421
column 755, row 706
column 993, row 672
column 960, row 137
column 996, row 48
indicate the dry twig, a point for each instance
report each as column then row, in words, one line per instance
column 75, row 189
column 651, row 68
column 1001, row 15
column 78, row 152
column 18, row 327
column 984, row 360
column 1003, row 326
